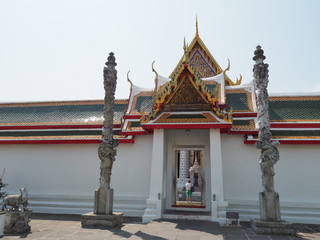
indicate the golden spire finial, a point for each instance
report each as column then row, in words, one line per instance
column 197, row 30
column 128, row 79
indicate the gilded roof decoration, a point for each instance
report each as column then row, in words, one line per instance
column 187, row 88
column 186, row 93
column 199, row 57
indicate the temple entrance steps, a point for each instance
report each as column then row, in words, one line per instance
column 186, row 215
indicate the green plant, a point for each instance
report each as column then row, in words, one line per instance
column 2, row 185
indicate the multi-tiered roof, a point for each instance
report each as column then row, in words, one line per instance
column 198, row 94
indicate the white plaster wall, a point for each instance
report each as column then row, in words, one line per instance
column 297, row 179
column 54, row 169
column 62, row 178
column 131, row 170
column 241, row 172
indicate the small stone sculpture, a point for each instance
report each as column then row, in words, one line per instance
column 15, row 201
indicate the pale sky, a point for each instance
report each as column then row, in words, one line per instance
column 56, row 50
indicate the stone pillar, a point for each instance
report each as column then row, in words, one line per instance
column 184, row 164
column 103, row 215
column 269, row 154
column 218, row 205
column 270, row 218
column 154, row 202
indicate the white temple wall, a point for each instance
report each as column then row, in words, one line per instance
column 62, row 178
column 296, row 180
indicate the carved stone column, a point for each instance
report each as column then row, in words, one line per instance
column 269, row 154
column 103, row 215
column 270, row 218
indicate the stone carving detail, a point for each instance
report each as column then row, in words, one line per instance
column 15, row 201
column 269, row 152
column 17, row 215
column 107, row 151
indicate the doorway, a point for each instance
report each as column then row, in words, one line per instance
column 188, row 167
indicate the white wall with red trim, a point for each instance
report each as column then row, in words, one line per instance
column 297, row 179
column 61, row 178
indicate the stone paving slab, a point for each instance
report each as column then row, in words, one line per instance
column 68, row 227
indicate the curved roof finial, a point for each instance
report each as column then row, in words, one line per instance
column 153, row 70
column 228, row 68
column 238, row 82
column 197, row 30
column 185, row 48
column 156, row 78
column 128, row 79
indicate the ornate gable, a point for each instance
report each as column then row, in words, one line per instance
column 199, row 64
column 186, row 96
column 201, row 60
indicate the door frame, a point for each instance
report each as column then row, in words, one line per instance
column 171, row 177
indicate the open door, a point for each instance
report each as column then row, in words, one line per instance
column 188, row 165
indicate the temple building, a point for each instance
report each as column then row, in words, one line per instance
column 197, row 124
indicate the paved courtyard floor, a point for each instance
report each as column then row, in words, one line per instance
column 67, row 227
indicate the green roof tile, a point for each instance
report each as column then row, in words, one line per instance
column 143, row 103
column 135, row 124
column 59, row 113
column 285, row 110
column 50, row 133
column 238, row 101
column 241, row 122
